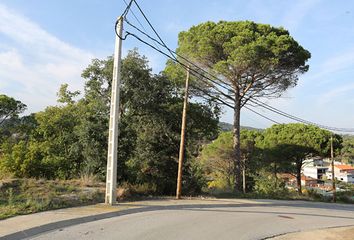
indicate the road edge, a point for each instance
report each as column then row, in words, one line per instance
column 317, row 229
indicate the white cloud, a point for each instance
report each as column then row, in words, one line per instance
column 10, row 59
column 34, row 63
column 329, row 69
column 339, row 62
column 335, row 93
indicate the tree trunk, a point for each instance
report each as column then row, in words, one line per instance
column 298, row 177
column 237, row 143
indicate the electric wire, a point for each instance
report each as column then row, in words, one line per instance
column 152, row 27
column 232, row 107
column 282, row 113
column 136, row 18
column 193, row 72
column 195, row 75
column 182, row 57
column 203, row 77
column 259, row 114
column 223, row 102
column 126, row 10
column 155, row 40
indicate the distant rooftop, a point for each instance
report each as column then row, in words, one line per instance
column 344, row 167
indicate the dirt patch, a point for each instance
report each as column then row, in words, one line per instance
column 342, row 233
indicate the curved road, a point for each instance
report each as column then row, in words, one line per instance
column 212, row 219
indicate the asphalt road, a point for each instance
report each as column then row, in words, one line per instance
column 217, row 219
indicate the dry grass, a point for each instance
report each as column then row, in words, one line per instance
column 89, row 180
column 23, row 196
column 6, row 176
column 127, row 190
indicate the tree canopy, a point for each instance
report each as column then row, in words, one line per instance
column 256, row 59
column 70, row 139
column 292, row 143
column 347, row 152
column 253, row 60
column 9, row 107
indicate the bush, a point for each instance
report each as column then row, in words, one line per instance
column 346, row 196
column 270, row 187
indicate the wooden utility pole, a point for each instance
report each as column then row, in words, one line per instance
column 244, row 175
column 181, row 146
column 333, row 179
column 111, row 177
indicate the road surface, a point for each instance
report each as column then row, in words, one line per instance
column 212, row 219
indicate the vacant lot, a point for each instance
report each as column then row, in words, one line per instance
column 23, row 196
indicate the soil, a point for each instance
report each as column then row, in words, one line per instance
column 342, row 233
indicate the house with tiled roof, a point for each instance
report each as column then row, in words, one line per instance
column 344, row 173
column 309, row 181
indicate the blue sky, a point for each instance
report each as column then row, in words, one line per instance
column 46, row 43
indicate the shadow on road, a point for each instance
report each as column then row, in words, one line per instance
column 220, row 207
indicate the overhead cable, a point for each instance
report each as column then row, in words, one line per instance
column 203, row 78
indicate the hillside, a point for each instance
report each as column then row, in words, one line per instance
column 228, row 127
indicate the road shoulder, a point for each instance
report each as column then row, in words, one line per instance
column 343, row 233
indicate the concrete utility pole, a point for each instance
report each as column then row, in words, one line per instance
column 333, row 179
column 111, row 178
column 181, row 146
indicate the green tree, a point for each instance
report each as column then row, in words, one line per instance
column 295, row 142
column 66, row 96
column 154, row 112
column 149, row 124
column 253, row 60
column 70, row 139
column 94, row 113
column 9, row 107
column 9, row 119
column 347, row 152
column 57, row 142
column 217, row 159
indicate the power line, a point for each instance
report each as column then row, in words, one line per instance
column 218, row 99
column 126, row 10
column 162, row 43
column 259, row 114
column 136, row 18
column 152, row 27
column 203, row 77
column 232, row 107
column 287, row 115
column 193, row 71
column 182, row 57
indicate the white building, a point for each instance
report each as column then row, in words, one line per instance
column 315, row 168
column 343, row 173
column 314, row 162
column 315, row 172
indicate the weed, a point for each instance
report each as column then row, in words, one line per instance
column 24, row 196
column 10, row 196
